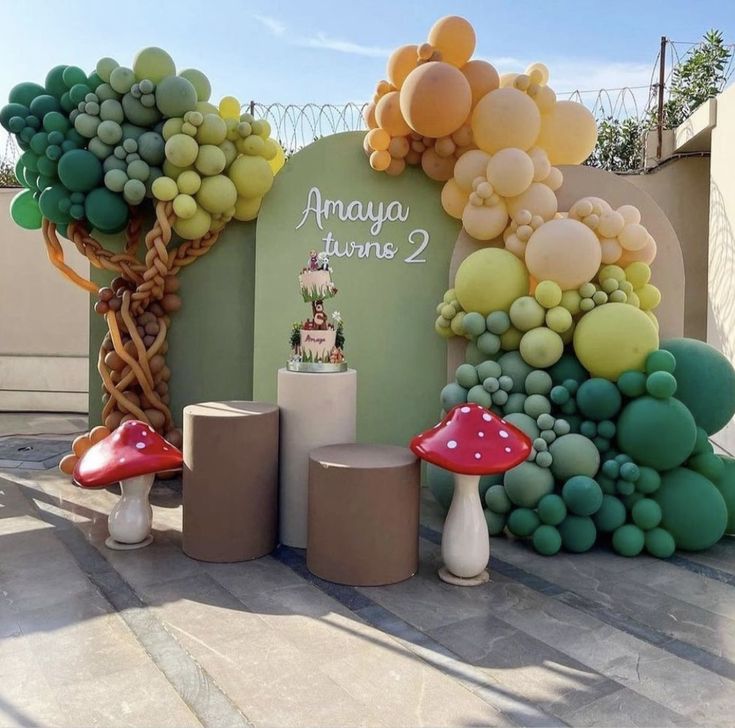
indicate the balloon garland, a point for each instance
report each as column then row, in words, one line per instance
column 98, row 149
column 557, row 309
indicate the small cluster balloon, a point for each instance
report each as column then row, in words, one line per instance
column 99, row 147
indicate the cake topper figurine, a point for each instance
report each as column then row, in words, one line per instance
column 317, row 342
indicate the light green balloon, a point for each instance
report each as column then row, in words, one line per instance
column 134, row 191
column 109, row 132
column 122, row 79
column 154, row 64
column 199, row 81
column 175, row 96
column 25, row 211
column 115, row 180
column 112, row 110
column 105, row 66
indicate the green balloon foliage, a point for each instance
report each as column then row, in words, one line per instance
column 693, row 509
column 25, row 211
column 12, row 110
column 495, row 522
column 105, row 210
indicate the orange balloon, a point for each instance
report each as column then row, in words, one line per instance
column 98, row 433
column 398, row 147
column 463, row 136
column 67, row 463
column 380, row 160
column 378, row 139
column 454, row 38
column 368, row 115
column 395, row 167
column 454, row 199
column 389, row 117
column 436, row 167
column 80, row 445
column 435, row 99
column 482, row 77
column 445, row 147
column 401, row 62
column 413, row 157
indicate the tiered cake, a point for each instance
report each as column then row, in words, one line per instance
column 316, row 344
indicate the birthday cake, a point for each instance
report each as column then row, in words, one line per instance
column 317, row 342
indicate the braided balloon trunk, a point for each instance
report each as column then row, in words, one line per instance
column 137, row 307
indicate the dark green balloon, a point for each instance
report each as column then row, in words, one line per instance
column 546, row 540
column 74, row 136
column 9, row 111
column 24, row 211
column 80, row 171
column 20, row 173
column 55, row 121
column 705, row 382
column 632, row 383
column 628, row 540
column 49, row 204
column 598, row 399
column 611, row 514
column 582, row 495
column 551, row 509
column 46, row 167
column 495, row 522
column 522, row 522
column 568, row 367
column 30, row 161
column 578, row 533
column 44, row 104
column 660, row 433
column 78, row 92
column 73, row 75
column 55, row 81
column 23, row 93
column 660, row 543
column 646, row 513
column 693, row 509
column 66, row 103
column 39, row 143
column 94, row 80
column 726, row 485
column 661, row 384
column 106, row 211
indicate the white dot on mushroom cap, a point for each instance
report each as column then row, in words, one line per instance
column 140, row 445
column 503, row 433
column 165, row 448
column 507, row 449
column 452, row 444
column 122, row 460
column 465, row 410
column 144, row 433
column 481, row 434
column 486, row 417
column 477, row 456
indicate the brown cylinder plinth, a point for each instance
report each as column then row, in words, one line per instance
column 230, row 480
column 363, row 514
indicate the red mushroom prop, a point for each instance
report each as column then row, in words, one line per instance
column 469, row 442
column 133, row 454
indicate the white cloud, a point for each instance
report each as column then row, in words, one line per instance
column 320, row 40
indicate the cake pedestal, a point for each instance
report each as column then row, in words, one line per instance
column 316, row 410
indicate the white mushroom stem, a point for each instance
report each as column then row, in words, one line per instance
column 465, row 541
column 131, row 518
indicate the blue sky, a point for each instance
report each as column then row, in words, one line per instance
column 326, row 51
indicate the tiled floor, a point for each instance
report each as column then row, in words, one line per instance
column 92, row 637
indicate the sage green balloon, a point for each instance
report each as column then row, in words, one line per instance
column 199, row 81
column 526, row 484
column 122, row 79
column 137, row 113
column 25, row 211
column 175, row 96
column 105, row 66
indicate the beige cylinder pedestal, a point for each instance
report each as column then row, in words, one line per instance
column 363, row 514
column 230, row 480
column 316, row 410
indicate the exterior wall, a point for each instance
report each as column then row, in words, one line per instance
column 721, row 276
column 44, row 336
column 681, row 189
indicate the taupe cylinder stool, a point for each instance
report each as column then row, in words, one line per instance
column 363, row 514
column 230, row 480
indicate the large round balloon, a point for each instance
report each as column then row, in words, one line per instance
column 482, row 77
column 568, row 133
column 505, row 118
column 454, row 38
column 565, row 251
column 613, row 338
column 490, row 280
column 400, row 63
column 25, row 211
column 705, row 382
column 693, row 510
column 435, row 99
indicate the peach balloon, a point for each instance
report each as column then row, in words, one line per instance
column 445, row 147
column 413, row 157
column 436, row 167
column 368, row 115
column 544, row 97
column 379, row 160
column 555, row 179
column 630, row 213
column 568, row 133
column 454, row 38
column 401, row 62
column 610, row 250
column 564, row 251
column 469, row 166
column 389, row 117
column 482, row 77
column 505, row 118
column 435, row 99
column 507, row 79
column 538, row 199
column 645, row 255
column 510, row 171
column 395, row 167
column 538, row 73
column 454, row 199
column 541, row 164
column 378, row 139
column 483, row 222
column 398, row 147
column 633, row 237
column 463, row 136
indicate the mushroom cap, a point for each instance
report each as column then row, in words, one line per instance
column 473, row 441
column 133, row 449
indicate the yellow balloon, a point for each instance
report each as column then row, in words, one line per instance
column 469, row 166
column 568, row 133
column 217, row 194
column 505, row 118
column 613, row 338
column 253, row 176
column 565, row 251
column 484, row 222
column 229, row 108
column 510, row 172
column 276, row 164
column 538, row 73
column 185, row 206
column 454, row 38
column 247, row 208
column 194, row 227
column 490, row 280
column 454, row 199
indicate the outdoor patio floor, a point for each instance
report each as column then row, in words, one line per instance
column 93, row 637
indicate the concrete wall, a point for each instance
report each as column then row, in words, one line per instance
column 680, row 187
column 721, row 276
column 44, row 326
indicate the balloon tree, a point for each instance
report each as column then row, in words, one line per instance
column 557, row 310
column 103, row 151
